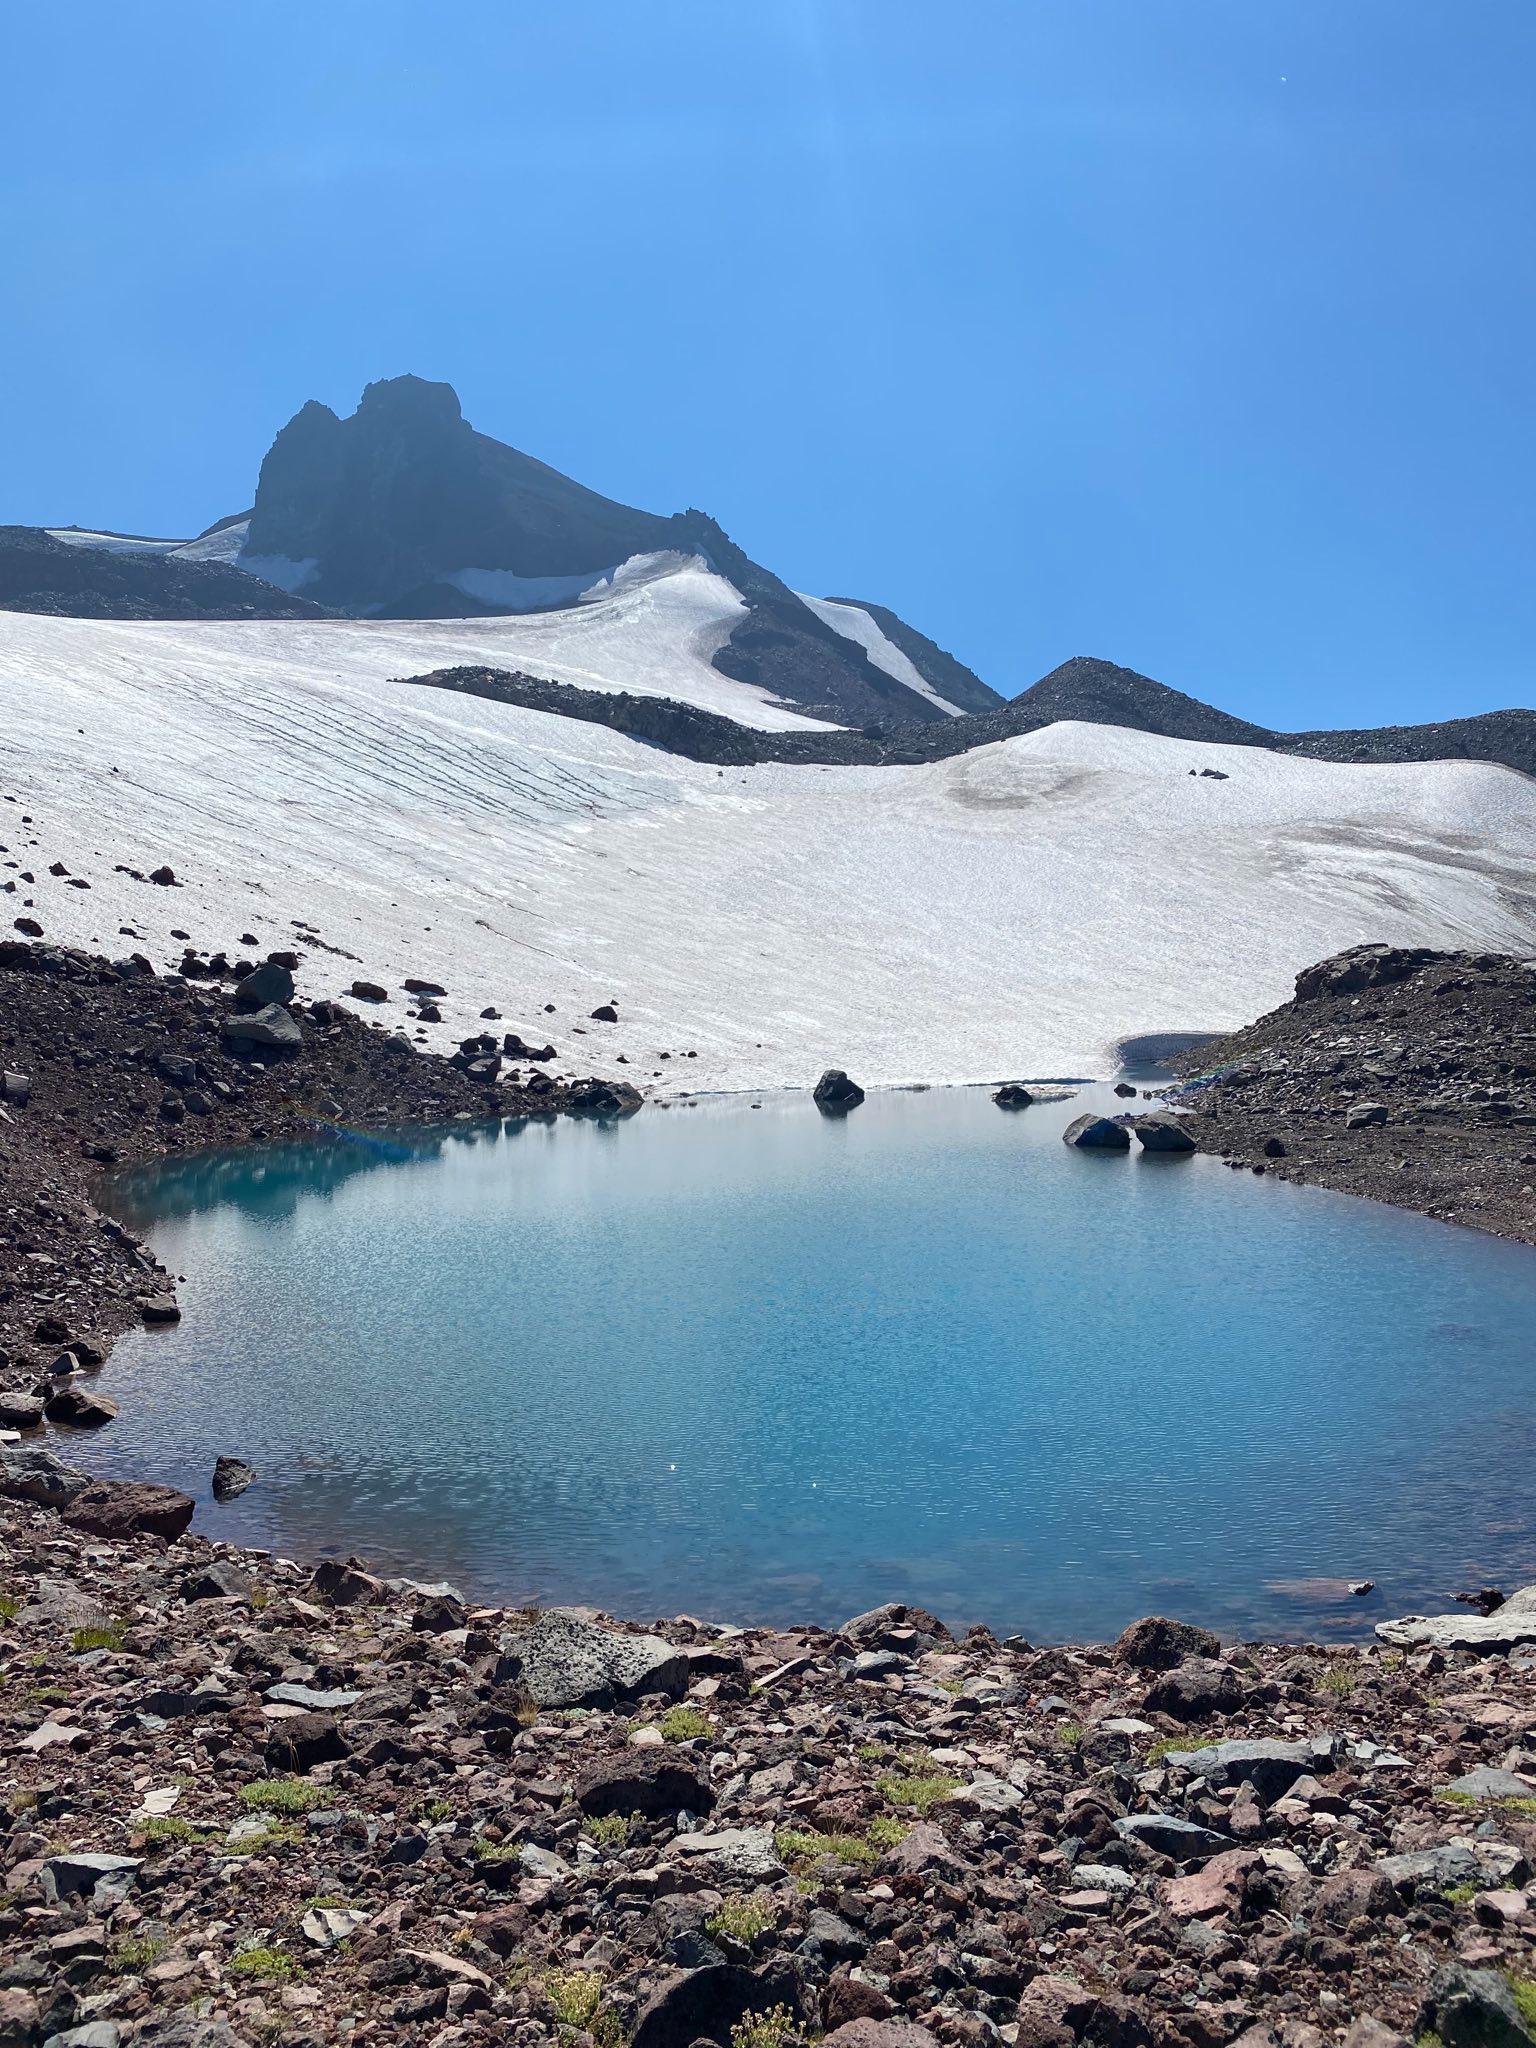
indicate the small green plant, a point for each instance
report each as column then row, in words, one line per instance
column 270, row 1965
column 47, row 1695
column 575, row 1996
column 437, row 1810
column 802, row 1846
column 1518, row 1809
column 886, row 1831
column 609, row 1830
column 1340, row 1680
column 276, row 1834
column 764, row 2029
column 952, row 1686
column 280, row 1795
column 922, row 1791
column 1070, row 1735
column 325, row 1902
column 108, row 1635
column 684, row 1724
column 872, row 1753
column 1523, row 1991
column 742, row 1920
column 10, row 1607
column 1165, row 1745
column 1459, row 1894
column 488, row 1851
column 160, row 1830
column 131, row 1957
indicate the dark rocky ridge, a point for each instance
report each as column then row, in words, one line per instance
column 41, row 574
column 1397, row 1073
column 1096, row 692
column 405, row 492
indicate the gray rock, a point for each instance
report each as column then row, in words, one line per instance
column 1161, row 1131
column 1431, row 1870
column 231, row 1476
column 1365, row 1115
column 1013, row 1095
column 217, row 1581
column 16, row 1089
column 272, row 1028
column 19, row 1409
column 1103, row 1877
column 1091, row 1133
column 85, row 1874
column 1195, row 1690
column 1488, row 1783
column 266, row 985
column 93, row 2034
column 37, row 1475
column 744, row 1855
column 1169, row 1835
column 1507, row 1626
column 311, row 1698
column 1269, row 1766
column 649, row 1781
column 1471, row 2009
column 568, row 1660
column 80, row 1407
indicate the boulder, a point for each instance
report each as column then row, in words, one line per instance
column 1161, row 1131
column 706, row 2005
column 1195, row 1690
column 114, row 1507
column 231, row 1476
column 879, row 2033
column 602, row 1100
column 369, row 992
column 20, row 1409
column 342, row 1582
column 79, row 1407
column 1507, row 1626
column 37, row 1475
column 1471, row 2009
column 648, row 1781
column 1271, row 1767
column 15, row 1089
column 894, row 1627
column 1091, row 1133
column 303, row 1740
column 569, row 1660
column 217, row 1581
column 272, row 1028
column 1013, row 1095
column 1182, row 1841
column 1157, row 1644
column 834, row 1094
column 84, row 1874
column 268, row 984
column 1364, row 1115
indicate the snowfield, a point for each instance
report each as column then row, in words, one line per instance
column 1015, row 911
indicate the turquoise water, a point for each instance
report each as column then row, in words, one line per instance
column 761, row 1366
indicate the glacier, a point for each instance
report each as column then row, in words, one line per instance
column 1015, row 910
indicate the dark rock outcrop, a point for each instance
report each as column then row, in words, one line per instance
column 41, row 574
column 834, row 1094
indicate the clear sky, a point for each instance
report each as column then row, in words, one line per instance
column 1193, row 333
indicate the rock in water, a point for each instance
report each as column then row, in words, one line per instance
column 1160, row 1131
column 272, row 1027
column 1507, row 1626
column 231, row 1476
column 602, row 1099
column 1091, row 1133
column 1013, row 1095
column 835, row 1094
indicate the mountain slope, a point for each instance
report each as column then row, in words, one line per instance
column 1019, row 908
column 404, row 510
column 40, row 572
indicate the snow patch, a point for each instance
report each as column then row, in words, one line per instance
column 113, row 543
column 1019, row 909
column 281, row 570
column 861, row 627
column 557, row 593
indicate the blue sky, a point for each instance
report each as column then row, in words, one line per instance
column 1195, row 334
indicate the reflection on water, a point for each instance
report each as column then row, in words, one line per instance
column 759, row 1365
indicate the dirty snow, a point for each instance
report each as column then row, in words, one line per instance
column 1016, row 910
